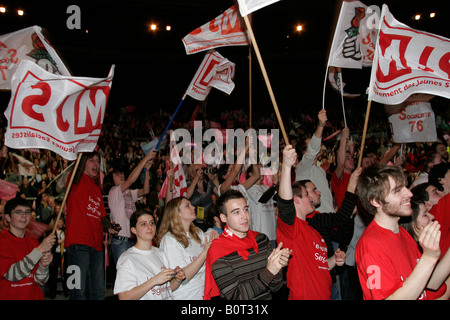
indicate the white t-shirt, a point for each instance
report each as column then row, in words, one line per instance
column 263, row 217
column 180, row 256
column 136, row 266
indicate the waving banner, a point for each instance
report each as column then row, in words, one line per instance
column 416, row 123
column 214, row 71
column 59, row 113
column 408, row 61
column 354, row 38
column 225, row 30
column 248, row 6
column 27, row 44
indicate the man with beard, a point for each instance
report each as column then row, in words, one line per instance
column 390, row 263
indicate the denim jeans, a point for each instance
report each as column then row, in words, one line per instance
column 119, row 246
column 92, row 272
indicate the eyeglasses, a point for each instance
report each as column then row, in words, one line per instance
column 20, row 212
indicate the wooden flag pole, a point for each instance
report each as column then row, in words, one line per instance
column 69, row 186
column 266, row 78
column 363, row 140
column 250, row 85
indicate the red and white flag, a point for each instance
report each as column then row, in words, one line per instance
column 215, row 71
column 179, row 185
column 248, row 6
column 225, row 30
column 24, row 167
column 27, row 44
column 8, row 190
column 416, row 123
column 60, row 113
column 354, row 37
column 408, row 61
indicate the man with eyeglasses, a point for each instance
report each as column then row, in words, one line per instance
column 23, row 261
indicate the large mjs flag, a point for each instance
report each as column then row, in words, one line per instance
column 408, row 61
column 225, row 30
column 60, row 113
column 27, row 44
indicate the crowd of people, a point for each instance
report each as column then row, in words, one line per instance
column 318, row 229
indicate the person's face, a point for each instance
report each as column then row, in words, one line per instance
column 145, row 228
column 434, row 196
column 445, row 181
column 398, row 202
column 92, row 166
column 366, row 162
column 313, row 194
column 186, row 211
column 349, row 163
column 304, row 203
column 442, row 150
column 423, row 218
column 237, row 217
column 19, row 219
column 118, row 178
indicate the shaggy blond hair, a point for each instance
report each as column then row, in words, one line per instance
column 171, row 222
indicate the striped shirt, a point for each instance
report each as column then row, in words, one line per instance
column 239, row 279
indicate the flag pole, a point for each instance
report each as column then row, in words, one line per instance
column 69, row 186
column 361, row 150
column 266, row 78
column 170, row 122
column 342, row 97
column 250, row 84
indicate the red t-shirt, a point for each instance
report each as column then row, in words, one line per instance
column 84, row 213
column 385, row 259
column 339, row 187
column 12, row 250
column 441, row 214
column 308, row 277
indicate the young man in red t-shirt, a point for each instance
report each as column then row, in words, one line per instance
column 85, row 214
column 308, row 275
column 23, row 261
column 390, row 264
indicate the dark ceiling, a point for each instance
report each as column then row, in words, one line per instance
column 153, row 70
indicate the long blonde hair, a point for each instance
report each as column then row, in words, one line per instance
column 171, row 222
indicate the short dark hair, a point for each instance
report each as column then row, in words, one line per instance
column 227, row 196
column 436, row 172
column 16, row 202
column 135, row 216
column 420, row 192
column 297, row 187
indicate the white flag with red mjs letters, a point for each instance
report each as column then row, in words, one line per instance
column 27, row 44
column 225, row 30
column 215, row 71
column 408, row 61
column 60, row 113
column 416, row 123
column 248, row 6
column 354, row 37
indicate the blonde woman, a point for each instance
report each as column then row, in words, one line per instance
column 185, row 245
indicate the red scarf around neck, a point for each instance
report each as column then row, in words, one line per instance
column 226, row 243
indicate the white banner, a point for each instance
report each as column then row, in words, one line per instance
column 248, row 6
column 214, row 71
column 27, row 44
column 59, row 113
column 416, row 123
column 354, row 37
column 225, row 30
column 408, row 61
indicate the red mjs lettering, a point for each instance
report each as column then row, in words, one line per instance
column 385, row 41
column 228, row 23
column 41, row 100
